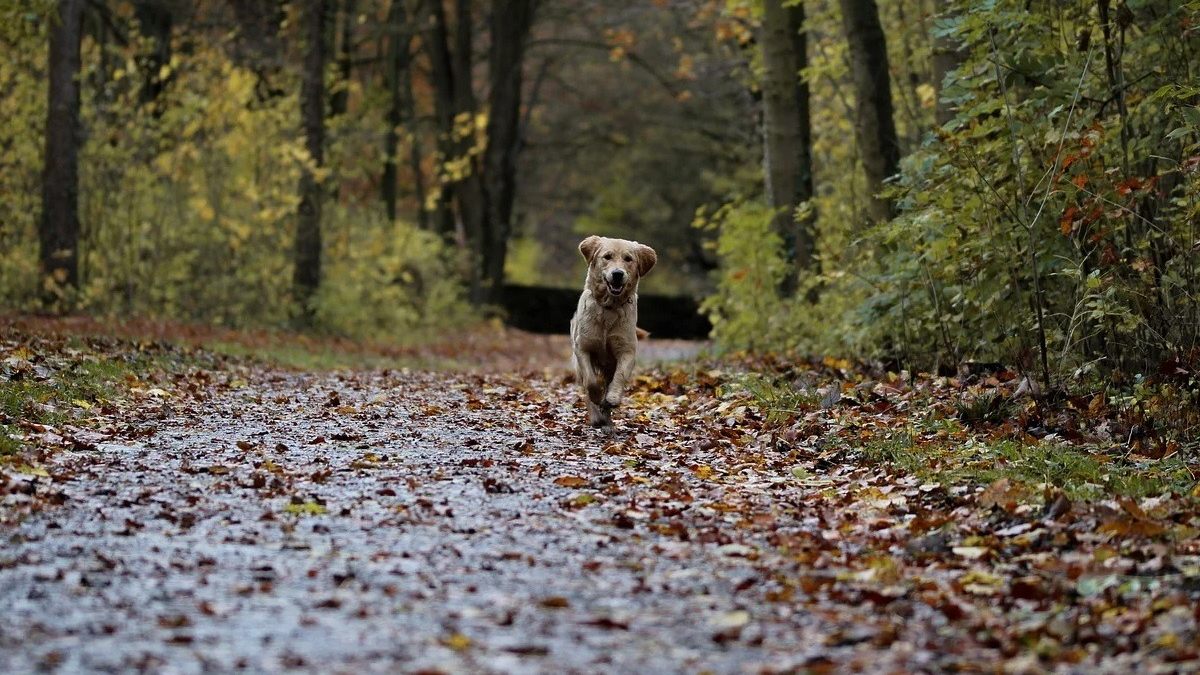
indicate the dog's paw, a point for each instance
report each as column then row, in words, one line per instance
column 611, row 401
column 601, row 416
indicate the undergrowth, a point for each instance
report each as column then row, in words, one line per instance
column 959, row 436
column 58, row 384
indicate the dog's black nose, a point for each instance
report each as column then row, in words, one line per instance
column 618, row 275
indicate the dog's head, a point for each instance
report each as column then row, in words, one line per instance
column 615, row 266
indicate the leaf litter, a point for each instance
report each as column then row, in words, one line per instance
column 215, row 514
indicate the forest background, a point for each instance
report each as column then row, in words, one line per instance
column 925, row 182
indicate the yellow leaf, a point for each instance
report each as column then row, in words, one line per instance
column 458, row 642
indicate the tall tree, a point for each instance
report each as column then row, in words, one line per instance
column 307, row 272
column 875, row 126
column 787, row 132
column 400, row 104
column 58, row 232
column 154, row 22
column 948, row 55
column 511, row 21
column 258, row 45
column 339, row 101
column 446, row 107
column 483, row 185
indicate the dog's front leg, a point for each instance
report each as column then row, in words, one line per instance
column 620, row 380
column 585, row 372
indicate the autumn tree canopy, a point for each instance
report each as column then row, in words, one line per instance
column 893, row 179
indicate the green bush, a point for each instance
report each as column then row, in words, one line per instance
column 1052, row 218
column 188, row 203
column 389, row 282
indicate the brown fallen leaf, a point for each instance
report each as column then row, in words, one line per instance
column 607, row 623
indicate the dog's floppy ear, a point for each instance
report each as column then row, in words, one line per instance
column 646, row 259
column 589, row 246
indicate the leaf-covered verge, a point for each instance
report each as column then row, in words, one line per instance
column 819, row 517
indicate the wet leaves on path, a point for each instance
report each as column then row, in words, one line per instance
column 470, row 521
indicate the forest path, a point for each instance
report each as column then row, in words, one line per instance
column 369, row 522
column 253, row 519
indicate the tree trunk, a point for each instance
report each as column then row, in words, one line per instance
column 511, row 21
column 414, row 155
column 442, row 75
column 307, row 273
column 787, row 133
column 154, row 22
column 948, row 55
column 470, row 193
column 455, row 98
column 58, row 234
column 399, row 42
column 339, row 102
column 806, row 231
column 875, row 126
column 258, row 46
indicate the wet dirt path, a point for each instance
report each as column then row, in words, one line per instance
column 368, row 523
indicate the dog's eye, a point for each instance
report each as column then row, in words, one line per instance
column 628, row 258
column 608, row 256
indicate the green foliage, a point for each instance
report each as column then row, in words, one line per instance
column 1053, row 220
column 745, row 309
column 388, row 283
column 1078, row 472
column 23, row 109
column 524, row 262
column 1042, row 183
column 188, row 202
column 299, row 507
column 187, row 205
column 989, row 408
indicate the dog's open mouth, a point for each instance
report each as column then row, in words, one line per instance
column 615, row 288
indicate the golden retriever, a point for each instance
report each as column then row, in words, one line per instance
column 604, row 328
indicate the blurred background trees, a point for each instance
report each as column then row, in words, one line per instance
column 925, row 181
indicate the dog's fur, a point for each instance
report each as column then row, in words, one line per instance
column 604, row 328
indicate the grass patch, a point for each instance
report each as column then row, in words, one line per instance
column 1080, row 472
column 54, row 382
column 954, row 437
column 9, row 445
column 780, row 400
column 307, row 357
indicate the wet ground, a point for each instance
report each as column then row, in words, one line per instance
column 360, row 524
column 249, row 519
